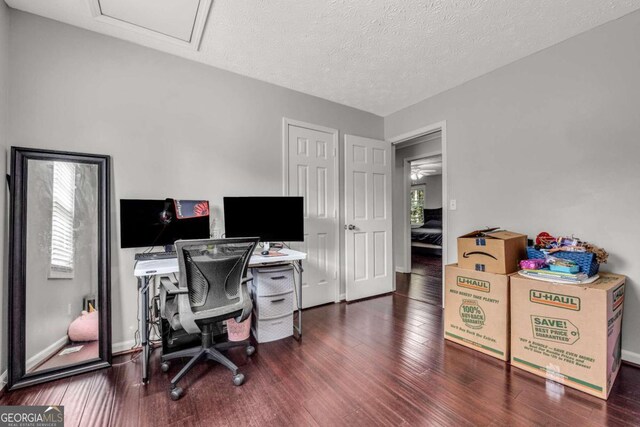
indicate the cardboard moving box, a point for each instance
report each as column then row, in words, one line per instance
column 568, row 333
column 476, row 312
column 493, row 252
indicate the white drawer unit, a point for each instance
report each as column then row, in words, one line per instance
column 268, row 330
column 273, row 280
column 273, row 296
column 273, row 306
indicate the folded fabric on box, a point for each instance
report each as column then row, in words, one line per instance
column 558, row 277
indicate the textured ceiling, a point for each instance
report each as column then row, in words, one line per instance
column 376, row 55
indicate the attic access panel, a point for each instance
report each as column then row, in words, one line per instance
column 176, row 21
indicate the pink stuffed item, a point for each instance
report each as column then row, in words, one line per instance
column 85, row 327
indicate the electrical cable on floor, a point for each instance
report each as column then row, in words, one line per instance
column 134, row 357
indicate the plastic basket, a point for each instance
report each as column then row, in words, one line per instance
column 239, row 331
column 585, row 260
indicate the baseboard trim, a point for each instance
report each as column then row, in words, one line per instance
column 401, row 270
column 631, row 357
column 45, row 354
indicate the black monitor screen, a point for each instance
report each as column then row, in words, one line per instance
column 145, row 223
column 273, row 219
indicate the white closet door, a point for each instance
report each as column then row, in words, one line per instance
column 312, row 174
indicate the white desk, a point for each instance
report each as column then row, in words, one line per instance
column 145, row 270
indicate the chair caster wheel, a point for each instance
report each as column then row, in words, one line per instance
column 175, row 393
column 250, row 350
column 238, row 379
column 165, row 367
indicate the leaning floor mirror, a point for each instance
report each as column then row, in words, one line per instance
column 59, row 284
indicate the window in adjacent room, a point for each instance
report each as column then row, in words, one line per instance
column 62, row 251
column 417, row 204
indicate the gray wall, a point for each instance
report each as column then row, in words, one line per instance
column 4, row 120
column 174, row 128
column 551, row 142
column 433, row 191
column 401, row 251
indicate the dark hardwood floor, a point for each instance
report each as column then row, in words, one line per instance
column 377, row 362
column 425, row 281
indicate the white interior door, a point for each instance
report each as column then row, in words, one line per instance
column 312, row 173
column 368, row 226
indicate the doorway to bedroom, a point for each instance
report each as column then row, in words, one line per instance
column 418, row 217
column 425, row 216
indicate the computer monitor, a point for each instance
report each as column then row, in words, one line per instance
column 145, row 223
column 273, row 219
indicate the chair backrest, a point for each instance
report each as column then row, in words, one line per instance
column 212, row 270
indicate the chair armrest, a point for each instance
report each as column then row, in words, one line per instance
column 246, row 295
column 171, row 288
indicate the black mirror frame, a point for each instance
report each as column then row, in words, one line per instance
column 18, row 377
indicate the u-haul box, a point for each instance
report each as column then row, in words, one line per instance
column 476, row 312
column 569, row 333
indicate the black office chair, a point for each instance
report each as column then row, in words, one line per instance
column 212, row 287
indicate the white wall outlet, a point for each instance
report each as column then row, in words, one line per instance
column 453, row 205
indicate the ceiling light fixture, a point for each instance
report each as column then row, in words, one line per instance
column 417, row 174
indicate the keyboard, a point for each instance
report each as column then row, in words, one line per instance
column 150, row 256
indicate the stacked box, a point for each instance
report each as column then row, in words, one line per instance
column 476, row 311
column 569, row 333
column 477, row 291
column 493, row 252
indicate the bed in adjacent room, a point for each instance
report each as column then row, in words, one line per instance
column 428, row 236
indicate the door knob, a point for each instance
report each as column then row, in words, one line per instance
column 350, row 227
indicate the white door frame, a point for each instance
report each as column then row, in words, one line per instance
column 442, row 127
column 286, row 122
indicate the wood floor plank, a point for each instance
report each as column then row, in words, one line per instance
column 425, row 281
column 101, row 398
column 51, row 394
column 76, row 396
column 22, row 396
column 126, row 405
